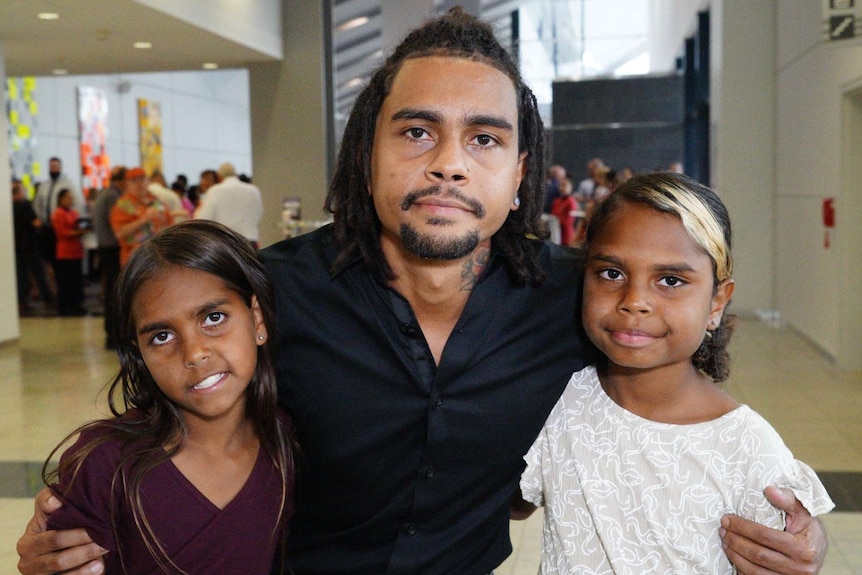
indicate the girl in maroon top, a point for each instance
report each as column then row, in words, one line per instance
column 69, row 253
column 194, row 474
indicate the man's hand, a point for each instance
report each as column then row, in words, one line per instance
column 758, row 550
column 44, row 552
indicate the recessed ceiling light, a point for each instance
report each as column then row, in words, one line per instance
column 353, row 23
column 48, row 16
column 142, row 45
column 210, row 66
column 59, row 71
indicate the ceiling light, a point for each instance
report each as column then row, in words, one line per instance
column 48, row 16
column 353, row 23
column 59, row 71
column 142, row 45
column 210, row 66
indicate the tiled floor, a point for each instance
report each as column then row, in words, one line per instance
column 50, row 382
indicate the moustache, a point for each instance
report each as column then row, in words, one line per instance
column 452, row 192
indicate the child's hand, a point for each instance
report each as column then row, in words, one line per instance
column 756, row 549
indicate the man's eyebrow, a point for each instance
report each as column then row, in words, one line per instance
column 436, row 118
column 414, row 114
column 491, row 121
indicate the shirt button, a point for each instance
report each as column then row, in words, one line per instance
column 438, row 404
column 410, row 529
column 429, row 472
column 408, row 329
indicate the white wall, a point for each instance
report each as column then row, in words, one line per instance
column 742, row 132
column 205, row 119
column 253, row 23
column 812, row 79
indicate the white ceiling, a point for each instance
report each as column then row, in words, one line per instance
column 96, row 37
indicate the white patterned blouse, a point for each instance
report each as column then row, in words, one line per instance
column 626, row 495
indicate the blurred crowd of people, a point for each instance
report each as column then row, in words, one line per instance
column 572, row 205
column 65, row 240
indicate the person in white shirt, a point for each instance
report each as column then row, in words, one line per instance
column 234, row 203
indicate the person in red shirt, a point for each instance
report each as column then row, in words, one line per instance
column 568, row 211
column 69, row 256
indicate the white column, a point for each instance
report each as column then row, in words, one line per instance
column 9, row 327
column 289, row 117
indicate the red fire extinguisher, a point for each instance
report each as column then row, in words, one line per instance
column 828, row 220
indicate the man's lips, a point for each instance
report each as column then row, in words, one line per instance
column 442, row 205
column 451, row 200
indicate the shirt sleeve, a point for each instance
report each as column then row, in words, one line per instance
column 86, row 495
column 774, row 464
column 531, row 478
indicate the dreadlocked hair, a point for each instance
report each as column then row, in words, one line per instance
column 356, row 225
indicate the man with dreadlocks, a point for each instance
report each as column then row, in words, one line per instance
column 426, row 334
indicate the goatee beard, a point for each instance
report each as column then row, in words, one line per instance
column 438, row 248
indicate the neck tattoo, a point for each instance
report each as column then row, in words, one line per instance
column 473, row 267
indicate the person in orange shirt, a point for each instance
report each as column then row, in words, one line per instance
column 69, row 255
column 137, row 215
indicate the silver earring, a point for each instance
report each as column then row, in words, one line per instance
column 260, row 337
column 517, row 201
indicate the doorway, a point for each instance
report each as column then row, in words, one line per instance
column 848, row 228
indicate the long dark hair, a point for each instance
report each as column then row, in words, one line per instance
column 212, row 248
column 705, row 218
column 357, row 227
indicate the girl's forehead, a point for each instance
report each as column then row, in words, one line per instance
column 173, row 283
column 642, row 230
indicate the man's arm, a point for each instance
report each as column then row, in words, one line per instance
column 42, row 552
column 758, row 550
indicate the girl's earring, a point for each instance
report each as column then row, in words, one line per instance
column 517, row 201
column 260, row 337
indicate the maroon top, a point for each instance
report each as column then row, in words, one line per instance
column 197, row 536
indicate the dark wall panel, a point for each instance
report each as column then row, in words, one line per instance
column 635, row 122
column 651, row 98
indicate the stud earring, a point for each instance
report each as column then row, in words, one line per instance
column 517, row 201
column 260, row 337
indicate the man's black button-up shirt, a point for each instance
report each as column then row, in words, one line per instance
column 409, row 467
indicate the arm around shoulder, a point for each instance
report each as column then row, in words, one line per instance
column 754, row 549
column 41, row 552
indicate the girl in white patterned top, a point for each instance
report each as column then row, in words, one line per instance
column 644, row 453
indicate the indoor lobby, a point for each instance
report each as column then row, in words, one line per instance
column 786, row 141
